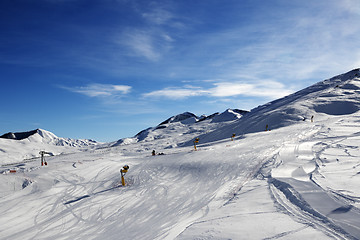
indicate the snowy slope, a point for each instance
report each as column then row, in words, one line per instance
column 298, row 181
column 314, row 177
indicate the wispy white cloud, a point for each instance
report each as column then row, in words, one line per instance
column 154, row 37
column 100, row 90
column 351, row 6
column 149, row 43
column 310, row 43
column 157, row 15
column 306, row 42
column 141, row 42
column 176, row 93
column 266, row 89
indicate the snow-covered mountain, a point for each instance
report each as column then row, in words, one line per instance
column 335, row 97
column 185, row 126
column 228, row 115
column 43, row 136
column 185, row 118
column 297, row 180
column 16, row 147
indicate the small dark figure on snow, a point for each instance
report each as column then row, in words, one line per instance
column 153, row 153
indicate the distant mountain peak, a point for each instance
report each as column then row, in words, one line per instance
column 19, row 135
column 228, row 115
column 185, row 123
column 180, row 118
column 43, row 136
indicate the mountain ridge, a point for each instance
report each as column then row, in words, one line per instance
column 41, row 135
column 189, row 124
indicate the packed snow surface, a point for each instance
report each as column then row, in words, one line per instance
column 299, row 180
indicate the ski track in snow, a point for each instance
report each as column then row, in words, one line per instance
column 295, row 187
column 172, row 190
column 294, row 178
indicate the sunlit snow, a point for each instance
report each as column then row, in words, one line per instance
column 299, row 180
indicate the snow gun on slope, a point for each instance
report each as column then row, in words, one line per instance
column 196, row 141
column 123, row 171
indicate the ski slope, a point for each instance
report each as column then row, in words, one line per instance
column 298, row 181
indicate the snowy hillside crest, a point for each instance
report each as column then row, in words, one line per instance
column 334, row 96
column 329, row 96
column 187, row 123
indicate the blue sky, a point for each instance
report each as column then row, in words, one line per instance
column 106, row 69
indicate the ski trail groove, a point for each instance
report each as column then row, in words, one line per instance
column 292, row 186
